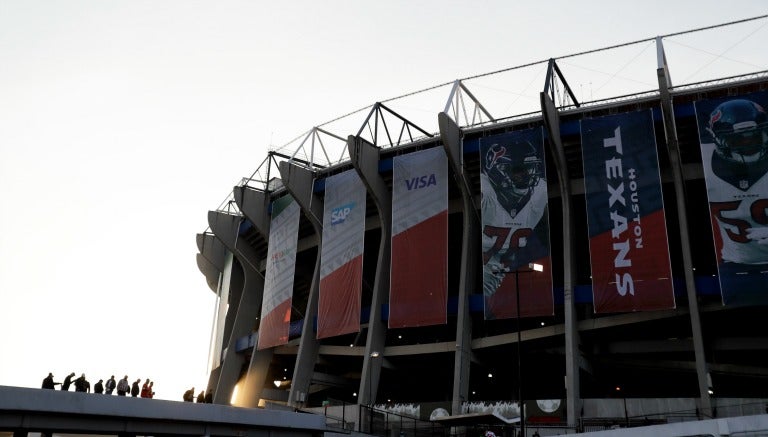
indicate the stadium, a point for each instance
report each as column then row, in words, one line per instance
column 599, row 260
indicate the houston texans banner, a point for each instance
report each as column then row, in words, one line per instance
column 515, row 226
column 733, row 133
column 281, row 265
column 419, row 272
column 341, row 255
column 625, row 211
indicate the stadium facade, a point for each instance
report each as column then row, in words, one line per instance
column 403, row 273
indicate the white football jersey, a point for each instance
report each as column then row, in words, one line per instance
column 737, row 210
column 504, row 229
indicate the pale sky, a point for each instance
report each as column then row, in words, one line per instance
column 123, row 122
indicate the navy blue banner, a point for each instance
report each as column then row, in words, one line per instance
column 733, row 133
column 625, row 210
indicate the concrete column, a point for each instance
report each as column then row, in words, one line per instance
column 254, row 204
column 572, row 354
column 673, row 150
column 300, row 182
column 451, row 136
column 210, row 272
column 212, row 249
column 226, row 228
column 365, row 160
column 212, row 252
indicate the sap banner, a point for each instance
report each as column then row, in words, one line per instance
column 625, row 212
column 733, row 133
column 419, row 274
column 515, row 225
column 281, row 266
column 341, row 255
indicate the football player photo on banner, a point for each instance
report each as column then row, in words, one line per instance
column 628, row 245
column 281, row 266
column 341, row 255
column 733, row 134
column 419, row 275
column 515, row 225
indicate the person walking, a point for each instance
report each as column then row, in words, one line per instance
column 189, row 395
column 110, row 385
column 67, row 382
column 135, row 388
column 99, row 387
column 151, row 389
column 48, row 382
column 145, row 389
column 82, row 385
column 123, row 387
column 201, row 397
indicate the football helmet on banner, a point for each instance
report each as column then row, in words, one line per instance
column 739, row 129
column 513, row 170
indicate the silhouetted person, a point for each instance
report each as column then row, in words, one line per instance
column 82, row 385
column 209, row 397
column 67, row 382
column 151, row 389
column 48, row 382
column 189, row 395
column 201, row 397
column 99, row 387
column 135, row 388
column 123, row 387
column 110, row 385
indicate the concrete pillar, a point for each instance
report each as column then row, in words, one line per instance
column 300, row 183
column 226, row 228
column 365, row 160
column 254, row 204
column 572, row 354
column 673, row 150
column 451, row 137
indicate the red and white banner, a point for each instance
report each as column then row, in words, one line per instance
column 341, row 255
column 419, row 272
column 281, row 266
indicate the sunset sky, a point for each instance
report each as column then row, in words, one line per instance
column 123, row 122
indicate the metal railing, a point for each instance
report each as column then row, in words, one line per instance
column 385, row 423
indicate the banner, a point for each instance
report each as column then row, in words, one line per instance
column 341, row 255
column 733, row 133
column 515, row 225
column 281, row 265
column 628, row 245
column 418, row 293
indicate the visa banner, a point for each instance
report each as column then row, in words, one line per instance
column 733, row 134
column 419, row 269
column 625, row 211
column 515, row 225
column 281, row 266
column 341, row 255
